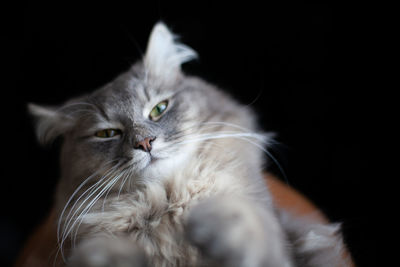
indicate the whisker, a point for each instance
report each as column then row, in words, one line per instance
column 109, row 185
column 240, row 136
column 128, row 175
column 84, row 211
column 209, row 136
column 92, row 192
column 226, row 124
column 67, row 228
column 212, row 125
column 114, row 181
column 244, row 134
column 256, row 98
column 71, row 198
column 273, row 159
column 90, row 189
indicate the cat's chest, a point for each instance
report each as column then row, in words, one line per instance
column 135, row 215
column 158, row 210
column 154, row 219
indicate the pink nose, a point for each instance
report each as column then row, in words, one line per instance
column 145, row 144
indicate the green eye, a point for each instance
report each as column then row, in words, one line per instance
column 108, row 133
column 158, row 110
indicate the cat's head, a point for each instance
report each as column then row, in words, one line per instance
column 147, row 119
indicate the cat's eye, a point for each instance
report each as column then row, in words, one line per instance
column 108, row 133
column 158, row 110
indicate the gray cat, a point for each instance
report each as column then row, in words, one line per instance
column 162, row 169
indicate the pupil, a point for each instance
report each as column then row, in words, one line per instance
column 160, row 108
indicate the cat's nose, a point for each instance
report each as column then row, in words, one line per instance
column 145, row 144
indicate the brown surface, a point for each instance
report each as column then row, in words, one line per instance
column 41, row 247
column 291, row 200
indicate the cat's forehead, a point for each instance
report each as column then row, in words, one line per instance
column 129, row 94
column 125, row 91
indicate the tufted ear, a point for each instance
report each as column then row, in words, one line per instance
column 164, row 55
column 50, row 122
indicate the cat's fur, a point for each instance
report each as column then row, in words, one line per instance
column 198, row 198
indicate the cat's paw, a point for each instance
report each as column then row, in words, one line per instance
column 100, row 252
column 226, row 231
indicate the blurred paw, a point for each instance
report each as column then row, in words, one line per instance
column 224, row 231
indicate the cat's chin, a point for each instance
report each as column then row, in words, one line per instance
column 145, row 162
column 153, row 160
column 148, row 163
column 159, row 168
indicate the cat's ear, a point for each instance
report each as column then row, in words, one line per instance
column 50, row 122
column 165, row 55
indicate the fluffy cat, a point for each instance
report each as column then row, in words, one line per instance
column 162, row 169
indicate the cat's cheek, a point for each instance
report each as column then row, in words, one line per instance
column 175, row 160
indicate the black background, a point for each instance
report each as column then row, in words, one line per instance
column 297, row 64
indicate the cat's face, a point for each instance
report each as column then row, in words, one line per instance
column 142, row 120
column 142, row 124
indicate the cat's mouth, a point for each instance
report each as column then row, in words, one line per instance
column 152, row 159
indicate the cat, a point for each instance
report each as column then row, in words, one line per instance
column 159, row 168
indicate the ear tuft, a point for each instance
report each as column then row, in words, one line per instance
column 49, row 123
column 164, row 55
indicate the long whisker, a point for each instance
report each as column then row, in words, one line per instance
column 91, row 190
column 271, row 140
column 71, row 198
column 203, row 131
column 69, row 229
column 266, row 139
column 113, row 183
column 271, row 157
column 199, row 127
column 103, row 184
column 128, row 175
column 242, row 136
column 209, row 136
column 217, row 123
column 86, row 210
column 214, row 124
